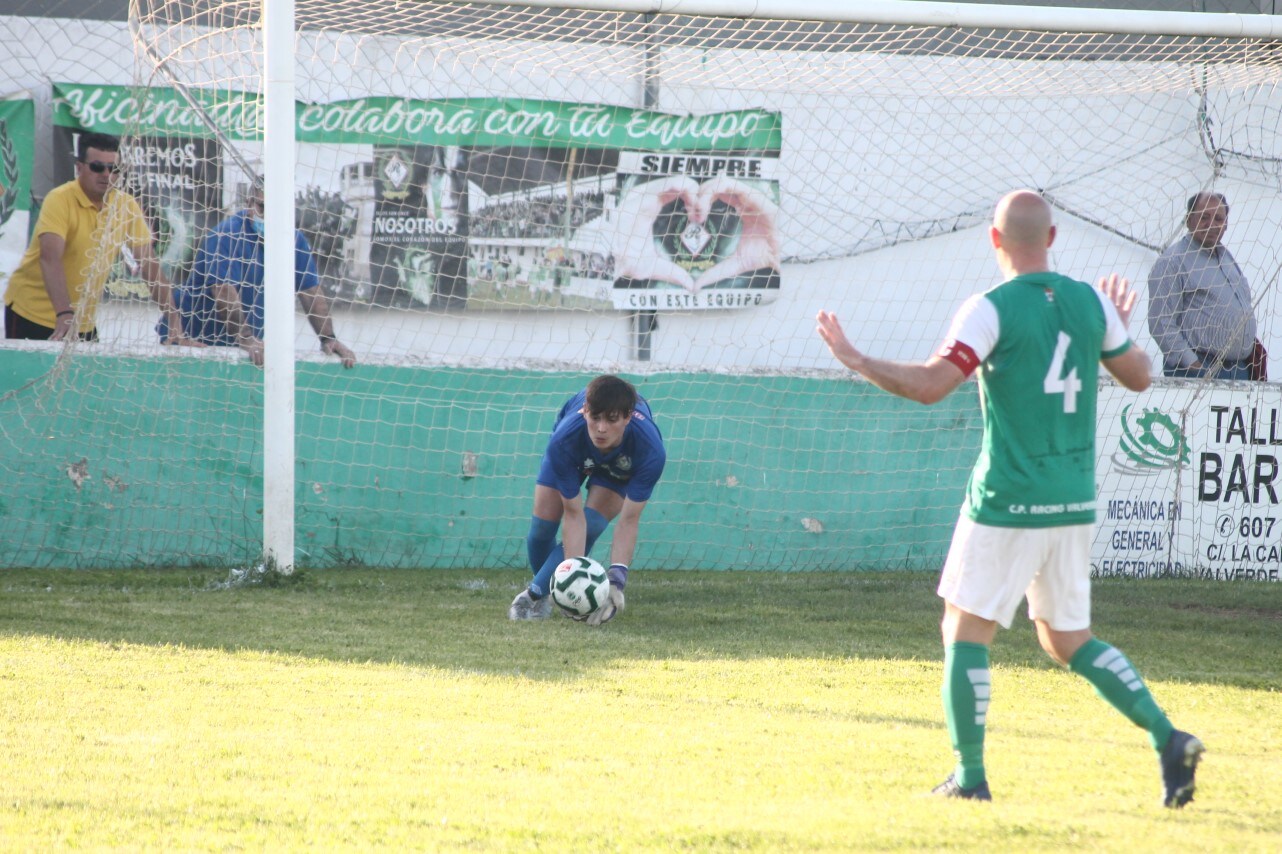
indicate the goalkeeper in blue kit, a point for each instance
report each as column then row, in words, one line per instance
column 1036, row 342
column 605, row 436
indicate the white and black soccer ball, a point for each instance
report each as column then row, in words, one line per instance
column 580, row 585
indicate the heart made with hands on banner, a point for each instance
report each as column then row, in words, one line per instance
column 697, row 246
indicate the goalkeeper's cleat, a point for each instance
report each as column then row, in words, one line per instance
column 950, row 788
column 526, row 607
column 1179, row 760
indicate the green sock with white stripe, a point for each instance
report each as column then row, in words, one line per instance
column 966, row 689
column 1119, row 683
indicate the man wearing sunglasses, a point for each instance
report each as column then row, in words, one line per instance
column 83, row 228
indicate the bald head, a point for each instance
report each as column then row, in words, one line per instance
column 1022, row 233
column 1024, row 219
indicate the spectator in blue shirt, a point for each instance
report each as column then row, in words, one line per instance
column 221, row 302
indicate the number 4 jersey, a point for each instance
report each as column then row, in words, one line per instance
column 1037, row 341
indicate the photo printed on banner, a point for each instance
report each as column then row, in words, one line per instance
column 697, row 230
column 418, row 245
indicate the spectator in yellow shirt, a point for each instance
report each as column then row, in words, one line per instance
column 83, row 227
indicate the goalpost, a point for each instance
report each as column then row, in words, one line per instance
column 278, row 160
column 506, row 199
column 278, row 310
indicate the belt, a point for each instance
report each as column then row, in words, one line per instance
column 1206, row 357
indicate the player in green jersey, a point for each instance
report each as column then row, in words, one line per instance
column 1037, row 342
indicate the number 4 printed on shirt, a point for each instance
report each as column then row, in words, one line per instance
column 1068, row 385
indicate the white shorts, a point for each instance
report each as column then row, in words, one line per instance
column 989, row 569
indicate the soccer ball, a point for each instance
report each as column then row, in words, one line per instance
column 580, row 585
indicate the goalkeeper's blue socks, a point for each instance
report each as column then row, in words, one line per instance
column 540, row 541
column 539, row 587
column 596, row 527
column 966, row 690
column 1119, row 683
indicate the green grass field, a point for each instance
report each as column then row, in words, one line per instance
column 399, row 710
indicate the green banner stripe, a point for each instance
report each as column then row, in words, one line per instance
column 157, row 110
column 17, row 153
column 403, row 121
column 552, row 124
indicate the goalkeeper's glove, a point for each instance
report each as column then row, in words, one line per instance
column 618, row 574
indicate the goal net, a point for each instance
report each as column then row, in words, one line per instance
column 502, row 202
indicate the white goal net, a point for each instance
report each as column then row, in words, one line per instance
column 501, row 202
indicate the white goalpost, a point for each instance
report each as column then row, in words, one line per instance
column 502, row 200
column 279, row 473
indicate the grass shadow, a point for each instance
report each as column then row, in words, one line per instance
column 1183, row 630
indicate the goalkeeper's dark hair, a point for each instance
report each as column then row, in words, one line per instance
column 608, row 394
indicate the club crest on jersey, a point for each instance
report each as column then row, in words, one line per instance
column 624, row 462
column 1050, row 295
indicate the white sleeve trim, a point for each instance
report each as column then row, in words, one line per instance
column 976, row 325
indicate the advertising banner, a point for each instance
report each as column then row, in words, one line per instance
column 487, row 203
column 696, row 231
column 418, row 243
column 1190, row 480
column 17, row 139
column 524, row 203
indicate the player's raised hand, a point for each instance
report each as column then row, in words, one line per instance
column 1119, row 293
column 829, row 329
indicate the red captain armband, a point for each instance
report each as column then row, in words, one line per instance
column 960, row 355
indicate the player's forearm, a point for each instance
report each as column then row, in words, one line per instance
column 1132, row 369
column 893, row 377
column 624, row 543
column 908, row 380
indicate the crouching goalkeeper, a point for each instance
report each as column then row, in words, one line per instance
column 605, row 436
